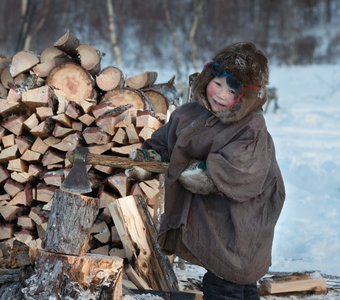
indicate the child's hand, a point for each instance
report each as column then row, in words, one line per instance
column 196, row 180
column 145, row 155
column 138, row 173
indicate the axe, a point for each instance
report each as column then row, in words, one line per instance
column 77, row 181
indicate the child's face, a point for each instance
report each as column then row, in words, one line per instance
column 220, row 96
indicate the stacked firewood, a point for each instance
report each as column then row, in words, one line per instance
column 51, row 104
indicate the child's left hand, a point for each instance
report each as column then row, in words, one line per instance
column 196, row 180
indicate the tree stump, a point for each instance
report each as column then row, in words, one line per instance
column 59, row 276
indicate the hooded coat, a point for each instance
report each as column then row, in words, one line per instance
column 230, row 233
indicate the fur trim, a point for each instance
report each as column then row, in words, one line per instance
column 249, row 65
column 197, row 181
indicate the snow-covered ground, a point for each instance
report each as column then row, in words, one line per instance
column 306, row 132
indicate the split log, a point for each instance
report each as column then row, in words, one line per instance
column 139, row 237
column 60, row 131
column 37, row 97
column 44, row 112
column 26, row 222
column 111, row 118
column 30, row 156
column 99, row 149
column 31, row 122
column 132, row 134
column 39, row 146
column 14, row 124
column 71, row 81
column 110, row 78
column 17, row 165
column 9, row 213
column 22, row 198
column 126, row 150
column 21, row 177
column 69, row 143
column 142, row 80
column 120, row 137
column 8, row 140
column 297, row 282
column 8, row 153
column 24, row 143
column 4, row 174
column 6, row 78
column 86, row 119
column 63, row 119
column 6, row 231
column 12, row 188
column 146, row 119
column 13, row 95
column 96, row 135
column 69, row 223
column 3, row 90
column 59, row 276
column 73, row 110
column 44, row 193
column 120, row 183
column 7, row 107
column 37, row 215
column 44, row 129
column 51, row 157
column 22, row 61
column 146, row 133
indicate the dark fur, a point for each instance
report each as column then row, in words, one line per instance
column 249, row 65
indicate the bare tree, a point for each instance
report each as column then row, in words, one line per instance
column 113, row 34
column 172, row 28
column 197, row 13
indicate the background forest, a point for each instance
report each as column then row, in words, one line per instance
column 178, row 35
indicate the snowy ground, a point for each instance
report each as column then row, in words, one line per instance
column 306, row 133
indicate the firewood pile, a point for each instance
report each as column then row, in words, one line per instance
column 50, row 104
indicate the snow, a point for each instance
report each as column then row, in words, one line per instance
column 307, row 138
column 306, row 134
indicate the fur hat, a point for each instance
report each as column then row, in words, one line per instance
column 250, row 66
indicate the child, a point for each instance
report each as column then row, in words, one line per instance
column 223, row 190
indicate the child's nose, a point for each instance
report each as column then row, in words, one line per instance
column 223, row 93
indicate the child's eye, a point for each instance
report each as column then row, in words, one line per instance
column 217, row 83
column 231, row 91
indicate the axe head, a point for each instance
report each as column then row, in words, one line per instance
column 76, row 181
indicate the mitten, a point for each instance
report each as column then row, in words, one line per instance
column 138, row 173
column 196, row 180
column 145, row 155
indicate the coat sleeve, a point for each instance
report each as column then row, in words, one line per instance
column 159, row 141
column 240, row 168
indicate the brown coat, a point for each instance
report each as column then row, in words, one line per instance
column 229, row 233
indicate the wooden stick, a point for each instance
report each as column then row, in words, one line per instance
column 122, row 162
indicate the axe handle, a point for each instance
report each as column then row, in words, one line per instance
column 122, row 162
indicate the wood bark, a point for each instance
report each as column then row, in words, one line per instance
column 59, row 276
column 69, row 223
